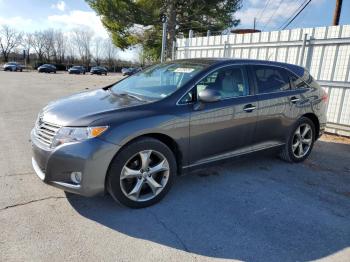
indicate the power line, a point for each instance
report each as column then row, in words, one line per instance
column 273, row 14
column 263, row 10
column 301, row 18
column 292, row 18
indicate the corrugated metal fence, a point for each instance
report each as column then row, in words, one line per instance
column 325, row 51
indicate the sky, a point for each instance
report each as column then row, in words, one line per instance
column 277, row 12
column 32, row 15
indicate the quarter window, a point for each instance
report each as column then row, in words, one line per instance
column 297, row 82
column 271, row 79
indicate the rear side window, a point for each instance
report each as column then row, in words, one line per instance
column 271, row 79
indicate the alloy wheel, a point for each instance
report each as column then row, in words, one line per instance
column 302, row 140
column 144, row 175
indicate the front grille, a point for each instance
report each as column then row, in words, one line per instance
column 45, row 132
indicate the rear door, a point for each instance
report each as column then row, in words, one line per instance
column 277, row 106
column 224, row 128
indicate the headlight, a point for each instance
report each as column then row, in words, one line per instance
column 74, row 134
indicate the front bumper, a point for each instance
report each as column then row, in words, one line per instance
column 90, row 157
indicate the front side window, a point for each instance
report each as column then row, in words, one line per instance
column 271, row 79
column 229, row 81
column 158, row 81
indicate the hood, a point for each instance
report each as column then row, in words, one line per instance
column 84, row 108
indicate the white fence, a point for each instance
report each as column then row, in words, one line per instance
column 325, row 51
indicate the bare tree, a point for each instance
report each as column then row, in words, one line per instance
column 59, row 46
column 38, row 44
column 49, row 50
column 27, row 45
column 74, row 47
column 70, row 50
column 110, row 52
column 10, row 39
column 82, row 39
column 97, row 50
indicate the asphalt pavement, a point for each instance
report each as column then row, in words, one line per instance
column 256, row 208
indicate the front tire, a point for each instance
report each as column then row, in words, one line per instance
column 300, row 141
column 142, row 173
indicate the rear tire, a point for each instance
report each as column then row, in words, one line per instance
column 142, row 173
column 300, row 141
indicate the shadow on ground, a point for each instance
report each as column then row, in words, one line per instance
column 257, row 209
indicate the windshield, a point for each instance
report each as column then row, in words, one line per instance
column 158, row 81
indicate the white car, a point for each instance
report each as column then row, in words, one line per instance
column 13, row 66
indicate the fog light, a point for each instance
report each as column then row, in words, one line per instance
column 76, row 177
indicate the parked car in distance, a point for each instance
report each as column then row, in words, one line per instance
column 13, row 66
column 47, row 68
column 133, row 138
column 124, row 70
column 130, row 71
column 77, row 70
column 98, row 70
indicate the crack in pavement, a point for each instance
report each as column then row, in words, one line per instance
column 18, row 111
column 19, row 174
column 184, row 247
column 31, row 201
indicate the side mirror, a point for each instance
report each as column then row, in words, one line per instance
column 209, row 95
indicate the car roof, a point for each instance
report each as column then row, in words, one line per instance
column 222, row 61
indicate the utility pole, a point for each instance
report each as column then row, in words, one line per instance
column 337, row 12
column 163, row 19
column 254, row 23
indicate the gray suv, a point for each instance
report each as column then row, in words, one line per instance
column 134, row 137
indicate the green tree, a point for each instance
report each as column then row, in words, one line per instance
column 132, row 22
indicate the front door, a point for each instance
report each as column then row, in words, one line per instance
column 224, row 128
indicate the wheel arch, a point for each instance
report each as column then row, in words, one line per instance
column 315, row 121
column 167, row 140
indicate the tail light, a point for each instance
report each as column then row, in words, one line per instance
column 324, row 96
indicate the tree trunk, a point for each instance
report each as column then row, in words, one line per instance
column 6, row 57
column 171, row 28
column 27, row 57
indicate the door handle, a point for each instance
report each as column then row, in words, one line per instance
column 294, row 99
column 249, row 108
